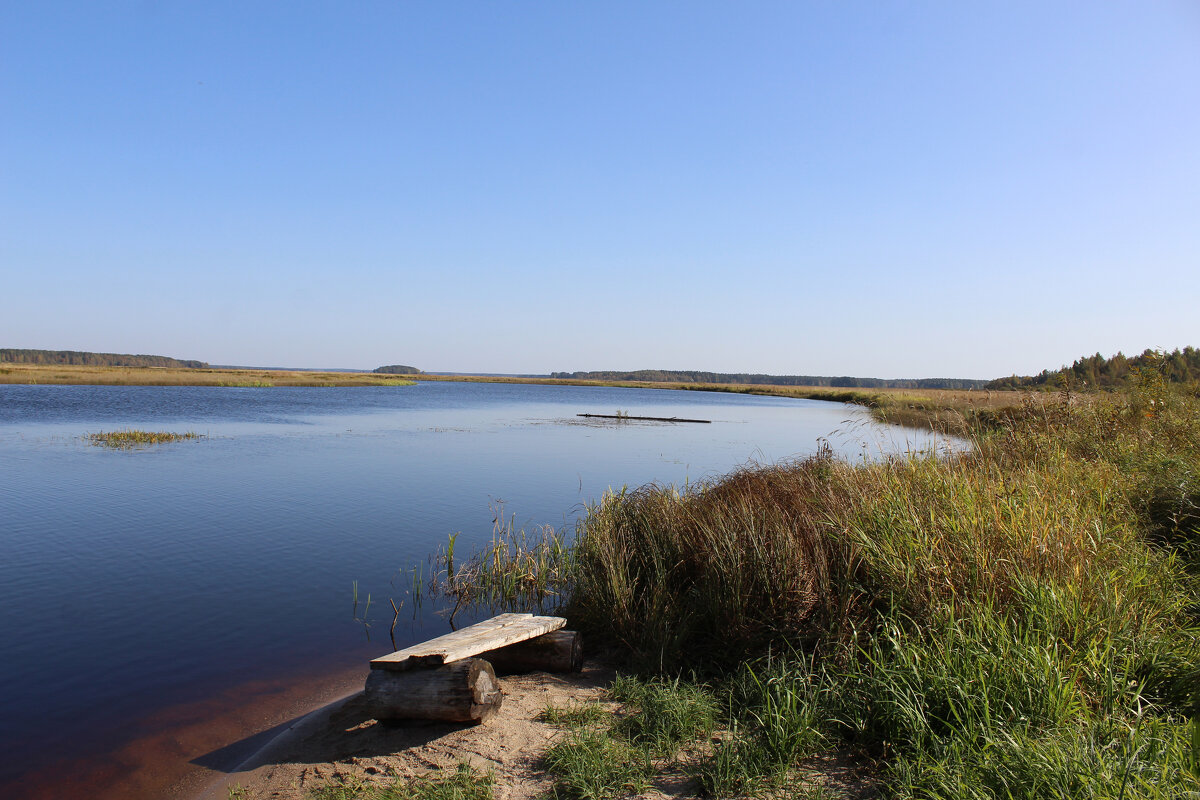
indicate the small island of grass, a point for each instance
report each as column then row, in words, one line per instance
column 128, row 439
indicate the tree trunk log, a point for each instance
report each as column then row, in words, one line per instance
column 560, row 651
column 463, row 691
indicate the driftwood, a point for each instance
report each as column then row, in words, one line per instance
column 649, row 419
column 501, row 630
column 560, row 651
column 465, row 691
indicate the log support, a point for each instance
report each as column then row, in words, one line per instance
column 439, row 680
column 463, row 691
column 560, row 651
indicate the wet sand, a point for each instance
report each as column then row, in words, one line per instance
column 189, row 745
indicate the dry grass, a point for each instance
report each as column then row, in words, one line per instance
column 129, row 439
column 165, row 376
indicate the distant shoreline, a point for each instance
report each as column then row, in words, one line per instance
column 943, row 409
column 234, row 377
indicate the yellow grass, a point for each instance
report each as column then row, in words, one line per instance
column 167, row 376
column 129, row 439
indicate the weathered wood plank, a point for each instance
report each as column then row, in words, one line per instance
column 491, row 634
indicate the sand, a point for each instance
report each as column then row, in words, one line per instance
column 268, row 740
column 341, row 740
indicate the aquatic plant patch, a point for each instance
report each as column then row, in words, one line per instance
column 130, row 439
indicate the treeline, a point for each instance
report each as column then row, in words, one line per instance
column 693, row 376
column 397, row 369
column 85, row 359
column 1098, row 372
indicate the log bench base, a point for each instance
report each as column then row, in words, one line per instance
column 438, row 681
column 465, row 691
column 561, row 651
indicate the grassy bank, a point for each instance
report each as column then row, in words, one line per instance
column 1019, row 621
column 67, row 374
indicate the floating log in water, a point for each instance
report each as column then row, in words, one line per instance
column 649, row 419
column 560, row 651
column 464, row 691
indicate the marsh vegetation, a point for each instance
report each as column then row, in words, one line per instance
column 101, row 375
column 1021, row 620
column 129, row 439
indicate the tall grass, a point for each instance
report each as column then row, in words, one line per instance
column 170, row 376
column 1020, row 620
column 516, row 571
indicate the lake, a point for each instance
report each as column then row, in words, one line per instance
column 134, row 582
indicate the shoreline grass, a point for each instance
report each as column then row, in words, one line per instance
column 1021, row 620
column 129, row 439
column 60, row 374
column 464, row 782
column 951, row 411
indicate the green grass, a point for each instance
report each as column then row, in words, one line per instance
column 516, row 571
column 130, row 439
column 463, row 783
column 605, row 755
column 574, row 716
column 661, row 716
column 592, row 764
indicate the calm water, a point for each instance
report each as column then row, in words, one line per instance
column 132, row 581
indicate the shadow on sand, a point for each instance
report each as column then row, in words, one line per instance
column 339, row 731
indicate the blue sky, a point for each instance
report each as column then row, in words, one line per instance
column 885, row 189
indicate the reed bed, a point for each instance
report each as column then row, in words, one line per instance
column 170, row 376
column 129, row 439
column 516, row 571
column 1021, row 620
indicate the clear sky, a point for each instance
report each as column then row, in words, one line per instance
column 890, row 189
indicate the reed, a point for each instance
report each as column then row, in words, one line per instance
column 1019, row 620
column 171, row 376
column 516, row 571
column 130, row 439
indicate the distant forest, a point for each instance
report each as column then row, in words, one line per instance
column 1098, row 372
column 84, row 359
column 397, row 369
column 692, row 376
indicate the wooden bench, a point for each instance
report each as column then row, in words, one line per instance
column 441, row 678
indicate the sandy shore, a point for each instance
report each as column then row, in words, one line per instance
column 341, row 740
column 278, row 739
